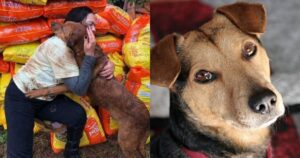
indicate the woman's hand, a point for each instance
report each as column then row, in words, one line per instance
column 48, row 91
column 108, row 70
column 37, row 93
column 89, row 42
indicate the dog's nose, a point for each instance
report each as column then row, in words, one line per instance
column 263, row 101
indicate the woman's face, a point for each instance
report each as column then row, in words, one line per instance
column 90, row 21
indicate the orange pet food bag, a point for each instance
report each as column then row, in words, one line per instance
column 137, row 29
column 110, row 125
column 24, row 32
column 4, row 66
column 138, row 83
column 59, row 9
column 109, row 43
column 119, row 20
column 102, row 25
column 13, row 11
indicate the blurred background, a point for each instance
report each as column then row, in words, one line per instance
column 281, row 40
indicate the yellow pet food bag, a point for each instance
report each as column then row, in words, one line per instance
column 5, row 79
column 2, row 117
column 93, row 131
column 136, row 48
column 118, row 61
column 20, row 53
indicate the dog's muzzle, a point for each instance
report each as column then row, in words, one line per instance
column 263, row 101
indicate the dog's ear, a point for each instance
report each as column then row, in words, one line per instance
column 56, row 27
column 250, row 18
column 165, row 64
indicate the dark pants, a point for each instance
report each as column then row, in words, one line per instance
column 21, row 111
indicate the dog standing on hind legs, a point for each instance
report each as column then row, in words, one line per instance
column 130, row 112
column 222, row 99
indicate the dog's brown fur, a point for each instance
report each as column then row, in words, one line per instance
column 219, row 109
column 130, row 112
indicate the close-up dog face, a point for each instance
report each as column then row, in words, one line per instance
column 224, row 80
column 72, row 32
column 229, row 77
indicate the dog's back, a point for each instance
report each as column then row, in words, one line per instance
column 129, row 111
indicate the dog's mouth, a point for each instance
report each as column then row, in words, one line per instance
column 268, row 123
column 261, row 111
column 256, row 122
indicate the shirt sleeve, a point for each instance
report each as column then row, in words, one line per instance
column 62, row 62
column 80, row 84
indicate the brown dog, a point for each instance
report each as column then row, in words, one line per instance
column 222, row 99
column 130, row 113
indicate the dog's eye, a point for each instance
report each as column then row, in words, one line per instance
column 249, row 50
column 204, row 76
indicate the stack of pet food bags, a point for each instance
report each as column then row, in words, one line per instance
column 24, row 24
column 127, row 44
column 136, row 52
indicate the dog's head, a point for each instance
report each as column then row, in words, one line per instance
column 71, row 32
column 222, row 73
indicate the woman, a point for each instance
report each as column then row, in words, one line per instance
column 51, row 65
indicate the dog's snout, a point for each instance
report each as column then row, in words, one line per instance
column 263, row 101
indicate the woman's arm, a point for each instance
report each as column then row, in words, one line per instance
column 60, row 89
column 78, row 84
